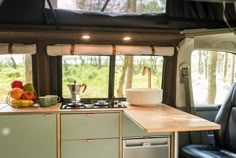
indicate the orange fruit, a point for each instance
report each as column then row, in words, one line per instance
column 16, row 93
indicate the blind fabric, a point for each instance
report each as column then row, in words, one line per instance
column 59, row 49
column 85, row 49
column 76, row 49
column 164, row 51
column 137, row 50
column 6, row 48
column 93, row 49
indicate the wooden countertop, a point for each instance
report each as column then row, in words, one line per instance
column 163, row 118
column 7, row 109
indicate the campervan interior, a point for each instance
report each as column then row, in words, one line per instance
column 129, row 78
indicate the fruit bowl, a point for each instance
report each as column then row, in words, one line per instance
column 18, row 102
column 21, row 95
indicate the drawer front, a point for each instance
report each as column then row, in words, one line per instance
column 89, row 126
column 98, row 148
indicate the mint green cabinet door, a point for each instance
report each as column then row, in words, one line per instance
column 28, row 136
column 89, row 126
column 98, row 148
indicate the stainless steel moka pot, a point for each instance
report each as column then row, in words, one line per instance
column 75, row 91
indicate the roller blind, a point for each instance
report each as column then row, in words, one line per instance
column 82, row 49
column 77, row 49
column 6, row 48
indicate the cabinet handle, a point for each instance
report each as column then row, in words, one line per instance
column 90, row 114
column 90, row 140
column 47, row 115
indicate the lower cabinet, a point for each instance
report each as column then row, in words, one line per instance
column 97, row 148
column 92, row 135
column 28, row 136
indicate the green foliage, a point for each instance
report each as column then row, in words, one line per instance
column 8, row 74
column 13, row 74
column 121, row 6
column 151, row 7
column 97, row 77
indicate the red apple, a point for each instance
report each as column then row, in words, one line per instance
column 28, row 95
column 17, row 84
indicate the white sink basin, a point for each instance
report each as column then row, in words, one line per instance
column 144, row 96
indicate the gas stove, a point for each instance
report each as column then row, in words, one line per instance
column 92, row 104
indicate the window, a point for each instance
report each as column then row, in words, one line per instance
column 130, row 76
column 94, row 72
column 113, row 6
column 90, row 70
column 14, row 67
column 212, row 75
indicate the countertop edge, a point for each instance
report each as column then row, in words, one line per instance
column 137, row 114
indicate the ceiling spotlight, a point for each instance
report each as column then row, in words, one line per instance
column 85, row 37
column 127, row 38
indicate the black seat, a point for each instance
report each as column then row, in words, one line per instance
column 225, row 138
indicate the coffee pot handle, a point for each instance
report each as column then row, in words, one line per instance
column 85, row 87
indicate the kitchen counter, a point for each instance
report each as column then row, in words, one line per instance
column 161, row 118
column 164, row 118
column 51, row 109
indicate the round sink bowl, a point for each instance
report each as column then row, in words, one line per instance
column 144, row 96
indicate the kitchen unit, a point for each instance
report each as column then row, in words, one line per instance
column 90, row 135
column 100, row 132
column 28, row 136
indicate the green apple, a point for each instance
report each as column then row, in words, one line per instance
column 28, row 87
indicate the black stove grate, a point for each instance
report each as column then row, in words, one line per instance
column 92, row 104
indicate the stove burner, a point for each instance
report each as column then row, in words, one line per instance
column 92, row 104
column 75, row 104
